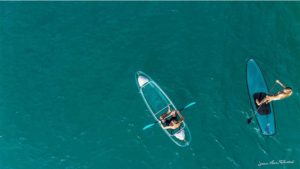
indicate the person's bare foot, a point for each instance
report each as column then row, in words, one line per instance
column 173, row 114
column 257, row 102
column 162, row 119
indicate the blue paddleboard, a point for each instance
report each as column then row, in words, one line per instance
column 258, row 89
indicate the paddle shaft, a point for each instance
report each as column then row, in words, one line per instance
column 178, row 110
column 192, row 103
column 152, row 124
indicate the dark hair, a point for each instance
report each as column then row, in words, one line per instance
column 288, row 88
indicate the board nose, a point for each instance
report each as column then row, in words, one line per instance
column 142, row 80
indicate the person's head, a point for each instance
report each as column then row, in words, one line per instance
column 288, row 90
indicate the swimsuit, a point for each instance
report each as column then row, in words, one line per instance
column 168, row 121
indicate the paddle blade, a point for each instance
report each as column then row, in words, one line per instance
column 189, row 105
column 249, row 120
column 148, row 126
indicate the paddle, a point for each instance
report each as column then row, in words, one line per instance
column 152, row 124
column 249, row 120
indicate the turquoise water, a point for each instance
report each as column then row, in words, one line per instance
column 68, row 98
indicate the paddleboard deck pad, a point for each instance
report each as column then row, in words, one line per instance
column 263, row 109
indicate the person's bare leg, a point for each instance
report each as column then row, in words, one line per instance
column 173, row 114
column 163, row 117
column 266, row 100
column 261, row 102
column 257, row 102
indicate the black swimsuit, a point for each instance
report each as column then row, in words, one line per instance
column 168, row 121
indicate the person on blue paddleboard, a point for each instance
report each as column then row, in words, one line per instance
column 286, row 92
column 170, row 119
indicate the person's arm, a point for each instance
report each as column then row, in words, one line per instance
column 282, row 85
column 168, row 127
column 164, row 116
column 181, row 120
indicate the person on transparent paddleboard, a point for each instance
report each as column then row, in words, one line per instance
column 170, row 119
